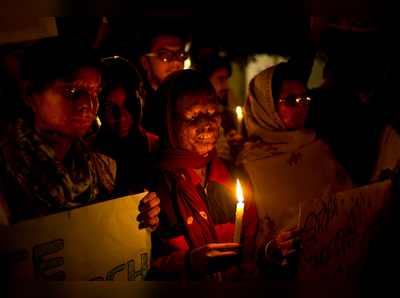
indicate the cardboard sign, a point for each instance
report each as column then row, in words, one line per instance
column 97, row 242
column 18, row 29
column 341, row 230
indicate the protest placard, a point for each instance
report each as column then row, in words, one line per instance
column 97, row 242
column 341, row 231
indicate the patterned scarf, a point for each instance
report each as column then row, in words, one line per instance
column 44, row 183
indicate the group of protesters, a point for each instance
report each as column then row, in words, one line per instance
column 88, row 126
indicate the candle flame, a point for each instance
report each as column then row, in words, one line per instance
column 239, row 193
column 239, row 111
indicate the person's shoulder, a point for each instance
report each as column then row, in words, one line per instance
column 152, row 139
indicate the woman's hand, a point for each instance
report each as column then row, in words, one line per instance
column 215, row 257
column 387, row 174
column 149, row 210
column 286, row 244
column 233, row 138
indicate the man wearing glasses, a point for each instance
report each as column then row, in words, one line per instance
column 161, row 52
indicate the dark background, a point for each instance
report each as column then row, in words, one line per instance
column 241, row 38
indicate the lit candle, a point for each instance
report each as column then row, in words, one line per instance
column 239, row 119
column 239, row 214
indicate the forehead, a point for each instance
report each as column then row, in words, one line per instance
column 292, row 87
column 198, row 101
column 116, row 94
column 220, row 73
column 166, row 42
column 87, row 75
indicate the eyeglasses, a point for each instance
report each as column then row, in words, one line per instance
column 294, row 100
column 167, row 56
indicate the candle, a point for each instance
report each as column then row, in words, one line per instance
column 239, row 119
column 239, row 214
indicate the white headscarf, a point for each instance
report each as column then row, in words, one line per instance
column 285, row 167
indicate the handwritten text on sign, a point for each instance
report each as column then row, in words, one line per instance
column 97, row 242
column 340, row 230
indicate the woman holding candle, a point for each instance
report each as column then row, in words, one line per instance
column 286, row 163
column 194, row 240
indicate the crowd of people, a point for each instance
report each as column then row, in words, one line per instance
column 169, row 130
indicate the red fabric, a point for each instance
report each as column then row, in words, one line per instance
column 176, row 175
column 171, row 266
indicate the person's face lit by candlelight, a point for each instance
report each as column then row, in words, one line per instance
column 219, row 79
column 196, row 122
column 67, row 106
column 293, row 117
column 114, row 112
column 155, row 67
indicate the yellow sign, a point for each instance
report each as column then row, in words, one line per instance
column 98, row 242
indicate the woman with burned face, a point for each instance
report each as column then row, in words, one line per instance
column 197, row 189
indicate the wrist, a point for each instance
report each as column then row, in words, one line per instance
column 272, row 255
column 189, row 269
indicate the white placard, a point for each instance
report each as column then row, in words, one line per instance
column 97, row 242
column 341, row 231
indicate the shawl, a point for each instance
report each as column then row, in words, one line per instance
column 45, row 186
column 174, row 162
column 285, row 167
column 389, row 152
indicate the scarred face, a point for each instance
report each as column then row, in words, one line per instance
column 68, row 106
column 115, row 113
column 292, row 117
column 196, row 122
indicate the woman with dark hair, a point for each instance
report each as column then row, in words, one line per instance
column 197, row 189
column 45, row 166
column 120, row 111
column 286, row 163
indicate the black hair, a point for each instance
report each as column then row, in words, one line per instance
column 117, row 70
column 55, row 57
column 284, row 71
column 209, row 63
column 190, row 82
column 146, row 35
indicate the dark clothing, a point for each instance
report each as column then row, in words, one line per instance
column 129, row 153
column 229, row 120
column 149, row 121
column 351, row 128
